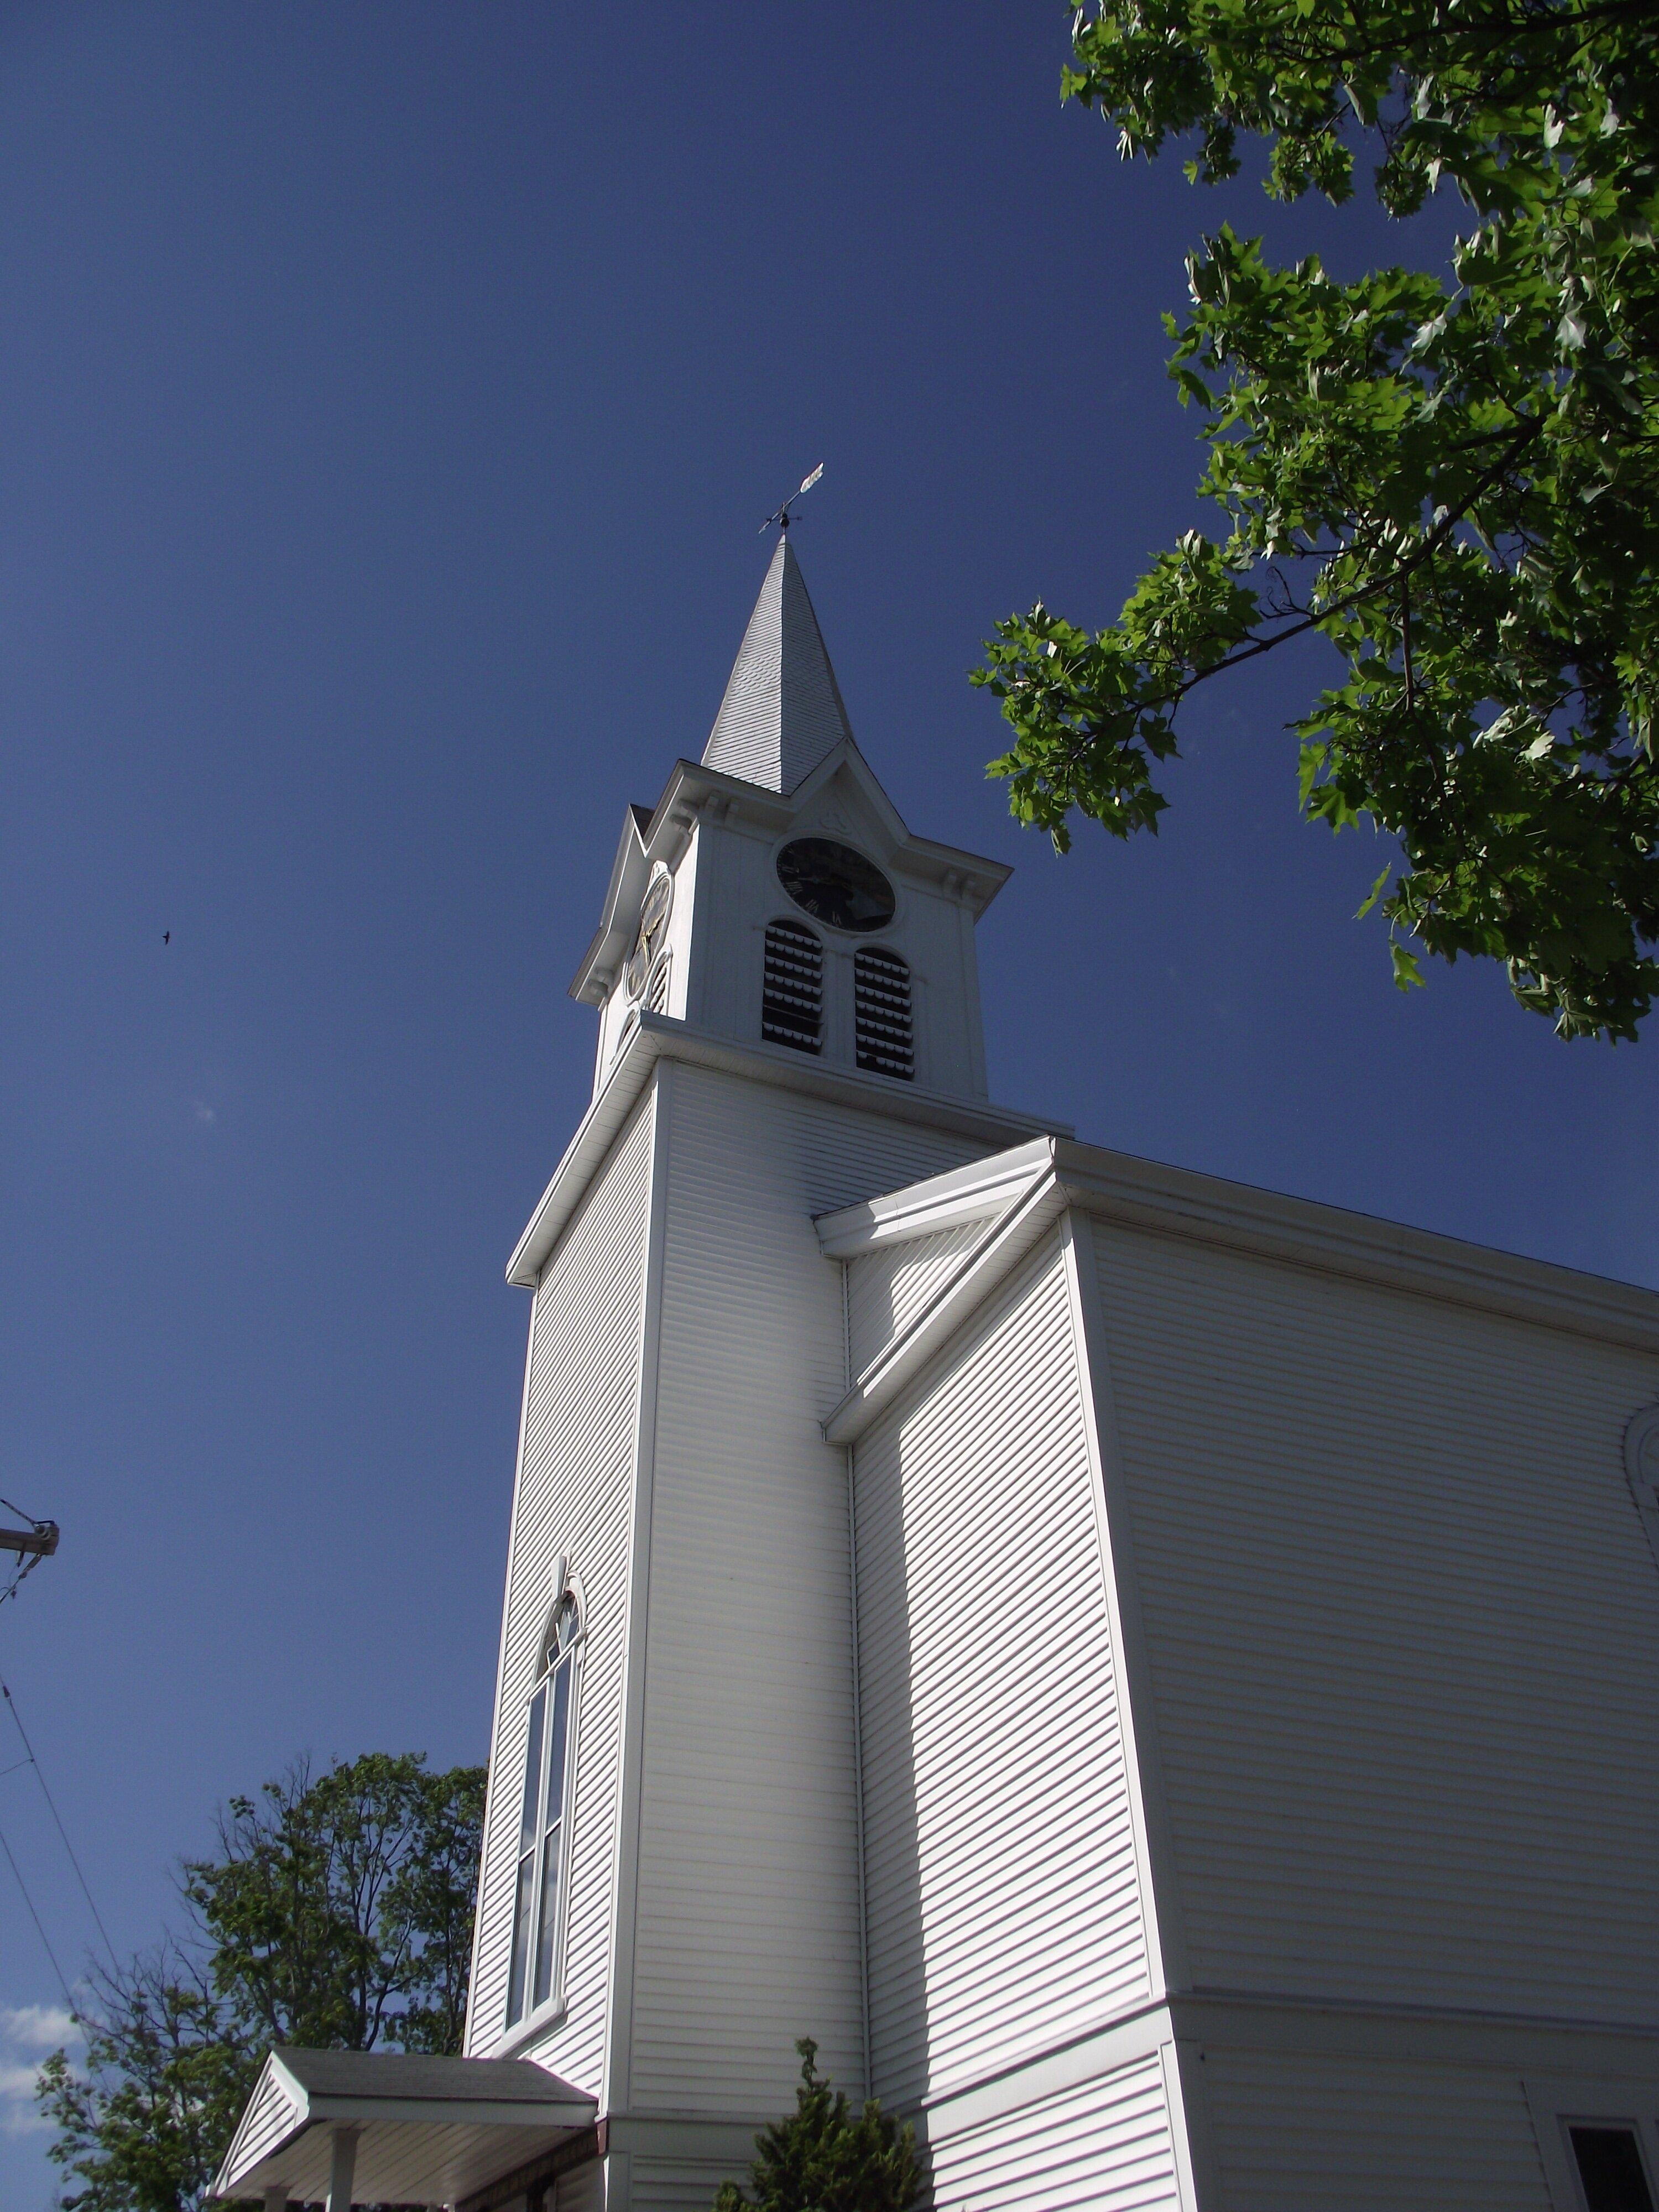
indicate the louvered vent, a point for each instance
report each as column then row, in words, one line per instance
column 881, row 1012
column 656, row 991
column 792, row 1002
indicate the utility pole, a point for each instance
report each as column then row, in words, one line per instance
column 38, row 1542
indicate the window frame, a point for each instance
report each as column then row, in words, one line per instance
column 1562, row 2102
column 544, row 1944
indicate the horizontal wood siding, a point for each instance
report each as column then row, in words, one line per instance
column 1003, row 1903
column 581, row 2189
column 1294, row 2133
column 748, row 1918
column 888, row 1287
column 575, row 1500
column 1105, row 2145
column 660, row 2185
column 1403, row 1629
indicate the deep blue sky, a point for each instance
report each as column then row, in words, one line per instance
column 388, row 398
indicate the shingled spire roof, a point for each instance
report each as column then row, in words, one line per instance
column 782, row 712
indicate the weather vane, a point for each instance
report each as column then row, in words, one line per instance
column 783, row 518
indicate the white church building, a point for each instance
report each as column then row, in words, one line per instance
column 1160, row 1680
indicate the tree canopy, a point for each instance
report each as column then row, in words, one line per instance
column 1453, row 478
column 337, row 1912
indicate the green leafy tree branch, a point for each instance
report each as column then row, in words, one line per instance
column 1455, row 482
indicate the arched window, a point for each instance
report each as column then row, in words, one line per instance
column 884, row 1033
column 792, row 991
column 539, row 1898
column 656, row 991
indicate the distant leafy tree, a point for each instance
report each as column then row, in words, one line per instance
column 1454, row 481
column 339, row 1910
column 826, row 2157
column 142, row 2126
column 337, row 1913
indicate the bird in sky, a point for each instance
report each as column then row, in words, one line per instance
column 166, row 937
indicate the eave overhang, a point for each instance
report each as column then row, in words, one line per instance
column 426, row 2131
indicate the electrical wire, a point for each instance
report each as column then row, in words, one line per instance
column 25, row 1567
column 75, row 2010
column 79, row 1877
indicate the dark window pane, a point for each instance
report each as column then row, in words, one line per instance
column 556, row 1744
column 522, row 1903
column 532, row 1772
column 547, row 1918
column 1610, row 2168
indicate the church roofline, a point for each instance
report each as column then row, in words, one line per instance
column 1119, row 1187
column 1022, row 1193
column 692, row 788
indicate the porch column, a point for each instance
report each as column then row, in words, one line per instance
column 342, row 2168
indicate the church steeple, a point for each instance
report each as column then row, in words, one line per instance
column 782, row 713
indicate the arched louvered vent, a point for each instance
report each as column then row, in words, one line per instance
column 884, row 1033
column 656, row 991
column 792, row 1001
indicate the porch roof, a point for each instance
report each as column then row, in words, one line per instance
column 424, row 2131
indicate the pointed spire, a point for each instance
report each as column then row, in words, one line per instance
column 782, row 712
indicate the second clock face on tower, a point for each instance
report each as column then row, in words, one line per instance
column 836, row 885
column 653, row 927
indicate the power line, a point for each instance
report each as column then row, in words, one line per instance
column 79, row 1877
column 39, row 1929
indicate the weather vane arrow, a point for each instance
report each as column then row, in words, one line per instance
column 783, row 518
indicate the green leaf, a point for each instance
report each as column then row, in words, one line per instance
column 1375, row 893
column 1407, row 976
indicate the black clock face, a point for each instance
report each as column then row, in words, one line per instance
column 836, row 885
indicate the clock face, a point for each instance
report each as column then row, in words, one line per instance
column 653, row 927
column 836, row 885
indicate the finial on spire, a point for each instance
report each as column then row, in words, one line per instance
column 783, row 518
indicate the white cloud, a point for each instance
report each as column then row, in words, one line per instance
column 35, row 2027
column 27, row 2032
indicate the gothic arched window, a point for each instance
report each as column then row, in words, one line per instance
column 791, row 989
column 883, row 1030
column 539, row 1895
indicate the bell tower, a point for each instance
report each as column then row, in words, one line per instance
column 789, row 1024
column 774, row 896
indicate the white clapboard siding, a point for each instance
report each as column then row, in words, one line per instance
column 886, row 1288
column 1104, row 2145
column 581, row 2189
column 1403, row 1629
column 1301, row 2133
column 573, row 1501
column 659, row 2184
column 748, row 1914
column 1003, row 1902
